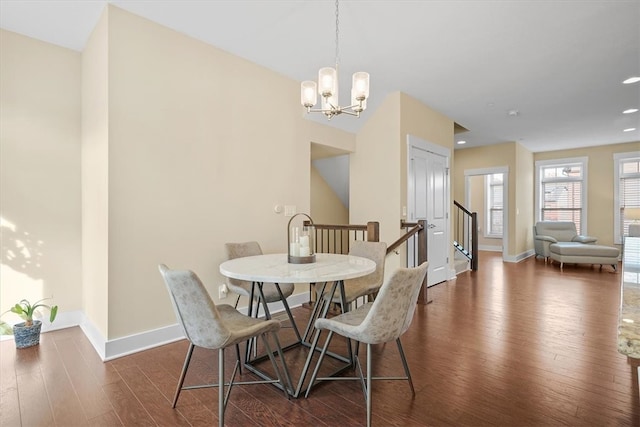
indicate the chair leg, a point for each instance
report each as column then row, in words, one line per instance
column 187, row 359
column 221, row 387
column 369, row 385
column 406, row 366
column 237, row 301
column 238, row 358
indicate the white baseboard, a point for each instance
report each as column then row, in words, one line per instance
column 118, row 347
column 145, row 340
column 490, row 248
column 521, row 256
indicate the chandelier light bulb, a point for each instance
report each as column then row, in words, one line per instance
column 309, row 93
column 361, row 85
column 327, row 81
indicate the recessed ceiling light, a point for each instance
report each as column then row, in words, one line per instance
column 631, row 80
column 629, row 130
column 630, row 110
column 462, row 142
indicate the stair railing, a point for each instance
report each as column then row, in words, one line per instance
column 337, row 239
column 417, row 232
column 465, row 234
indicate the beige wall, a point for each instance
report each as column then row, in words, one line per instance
column 379, row 166
column 184, row 147
column 521, row 163
column 39, row 173
column 202, row 145
column 600, row 197
column 493, row 156
column 326, row 206
column 374, row 171
column 95, row 177
column 524, row 174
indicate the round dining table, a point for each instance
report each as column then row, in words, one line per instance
column 273, row 269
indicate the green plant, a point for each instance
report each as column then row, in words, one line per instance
column 26, row 310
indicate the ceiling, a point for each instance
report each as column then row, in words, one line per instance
column 547, row 74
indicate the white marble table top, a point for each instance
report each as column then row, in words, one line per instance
column 275, row 268
column 629, row 319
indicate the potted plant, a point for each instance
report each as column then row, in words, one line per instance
column 27, row 333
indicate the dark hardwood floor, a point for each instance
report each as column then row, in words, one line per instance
column 511, row 345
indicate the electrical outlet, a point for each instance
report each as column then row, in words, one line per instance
column 222, row 291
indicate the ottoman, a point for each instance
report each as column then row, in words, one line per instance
column 579, row 253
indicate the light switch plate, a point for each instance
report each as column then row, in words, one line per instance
column 289, row 210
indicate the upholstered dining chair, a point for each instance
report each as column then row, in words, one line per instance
column 377, row 322
column 272, row 292
column 361, row 286
column 215, row 327
column 369, row 284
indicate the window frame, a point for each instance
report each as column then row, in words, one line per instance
column 618, row 159
column 563, row 162
column 488, row 231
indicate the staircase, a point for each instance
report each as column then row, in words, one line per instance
column 461, row 263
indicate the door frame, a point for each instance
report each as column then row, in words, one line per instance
column 422, row 144
column 505, row 198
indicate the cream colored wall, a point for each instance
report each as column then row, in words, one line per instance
column 326, row 206
column 430, row 125
column 491, row 156
column 202, row 145
column 379, row 165
column 95, row 177
column 39, row 173
column 331, row 137
column 524, row 175
column 600, row 197
column 374, row 171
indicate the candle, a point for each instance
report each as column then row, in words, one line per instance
column 305, row 251
column 294, row 249
column 304, row 241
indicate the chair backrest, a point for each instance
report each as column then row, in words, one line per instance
column 376, row 252
column 241, row 250
column 194, row 308
column 392, row 311
column 562, row 231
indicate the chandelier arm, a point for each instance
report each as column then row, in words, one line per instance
column 350, row 113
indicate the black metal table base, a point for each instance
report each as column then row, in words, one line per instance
column 251, row 363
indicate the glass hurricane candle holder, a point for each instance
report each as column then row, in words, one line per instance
column 301, row 241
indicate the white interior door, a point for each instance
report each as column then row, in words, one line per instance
column 428, row 199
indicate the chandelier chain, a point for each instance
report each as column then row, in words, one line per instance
column 337, row 34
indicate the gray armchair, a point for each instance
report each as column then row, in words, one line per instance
column 546, row 233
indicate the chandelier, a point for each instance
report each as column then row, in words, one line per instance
column 327, row 87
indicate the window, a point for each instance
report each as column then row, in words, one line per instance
column 561, row 191
column 627, row 190
column 494, row 188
